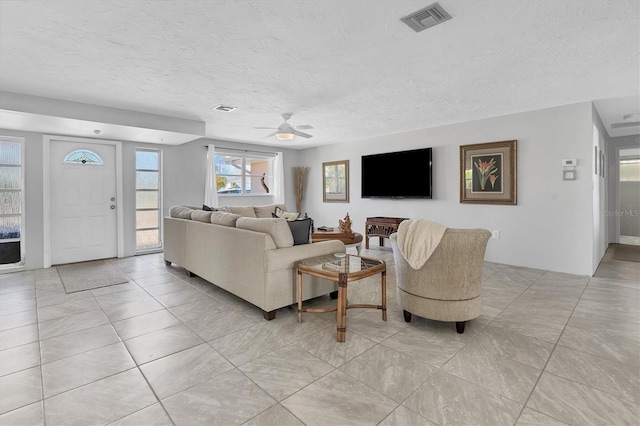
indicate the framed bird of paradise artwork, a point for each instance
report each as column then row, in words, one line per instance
column 488, row 173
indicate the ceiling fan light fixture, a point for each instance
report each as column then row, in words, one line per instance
column 284, row 136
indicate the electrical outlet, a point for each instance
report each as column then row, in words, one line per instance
column 496, row 235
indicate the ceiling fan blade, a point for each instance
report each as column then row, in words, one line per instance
column 270, row 128
column 303, row 134
column 269, row 135
column 304, row 127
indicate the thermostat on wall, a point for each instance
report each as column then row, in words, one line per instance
column 570, row 162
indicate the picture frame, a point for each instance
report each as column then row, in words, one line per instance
column 335, row 182
column 602, row 163
column 488, row 173
column 596, row 160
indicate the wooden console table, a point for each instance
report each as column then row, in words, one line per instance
column 381, row 227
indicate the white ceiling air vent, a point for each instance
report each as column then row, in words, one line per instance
column 628, row 120
column 426, row 18
column 224, row 108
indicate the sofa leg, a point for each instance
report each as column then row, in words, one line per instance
column 333, row 295
column 167, row 262
column 407, row 316
column 460, row 327
column 190, row 274
column 269, row 315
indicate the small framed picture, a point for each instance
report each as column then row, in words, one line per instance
column 488, row 173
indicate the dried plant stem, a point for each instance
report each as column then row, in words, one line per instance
column 300, row 175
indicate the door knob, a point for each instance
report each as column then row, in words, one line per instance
column 113, row 198
column 112, row 207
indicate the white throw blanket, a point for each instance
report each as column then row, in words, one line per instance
column 418, row 239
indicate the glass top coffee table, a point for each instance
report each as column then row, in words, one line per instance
column 342, row 268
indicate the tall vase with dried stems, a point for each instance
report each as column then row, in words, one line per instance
column 300, row 175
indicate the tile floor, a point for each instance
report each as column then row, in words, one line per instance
column 166, row 349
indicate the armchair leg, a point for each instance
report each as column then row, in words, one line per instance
column 407, row 316
column 460, row 326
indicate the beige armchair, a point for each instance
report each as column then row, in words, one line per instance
column 447, row 287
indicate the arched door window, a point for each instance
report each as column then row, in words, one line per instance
column 83, row 156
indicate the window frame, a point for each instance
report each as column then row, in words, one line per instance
column 160, row 200
column 22, row 238
column 270, row 158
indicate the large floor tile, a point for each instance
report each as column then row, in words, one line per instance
column 249, row 343
column 274, row 416
column 498, row 373
column 531, row 417
column 599, row 324
column 402, row 416
column 58, row 299
column 69, row 373
column 119, row 298
column 369, row 324
column 67, row 308
column 285, row 371
column 339, row 399
column 18, row 336
column 390, row 372
column 131, row 309
column 152, row 415
column 14, row 306
column 622, row 380
column 576, row 404
column 145, row 323
column 177, row 372
column 324, row 345
column 447, row 399
column 20, row 389
column 180, row 297
column 517, row 347
column 230, row 398
column 100, row 402
column 158, row 344
column 602, row 344
column 214, row 323
column 532, row 326
column 71, row 323
column 429, row 347
column 30, row 415
column 19, row 358
column 19, row 319
column 77, row 342
column 168, row 287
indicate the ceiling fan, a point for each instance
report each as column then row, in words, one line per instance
column 287, row 132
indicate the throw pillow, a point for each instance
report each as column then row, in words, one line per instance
column 201, row 216
column 180, row 212
column 224, row 219
column 206, row 208
column 277, row 228
column 286, row 215
column 301, row 230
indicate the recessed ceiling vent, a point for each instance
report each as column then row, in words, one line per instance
column 224, row 108
column 426, row 18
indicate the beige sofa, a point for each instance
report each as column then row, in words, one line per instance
column 250, row 255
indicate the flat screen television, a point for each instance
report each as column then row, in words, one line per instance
column 402, row 174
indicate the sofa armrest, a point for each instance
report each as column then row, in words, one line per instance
column 285, row 258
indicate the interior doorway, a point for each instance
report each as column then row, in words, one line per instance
column 629, row 192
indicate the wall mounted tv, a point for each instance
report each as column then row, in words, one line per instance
column 402, row 174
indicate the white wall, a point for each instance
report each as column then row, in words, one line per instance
column 184, row 168
column 550, row 228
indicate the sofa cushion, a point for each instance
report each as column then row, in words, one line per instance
column 201, row 216
column 300, row 230
column 266, row 211
column 277, row 228
column 285, row 214
column 225, row 219
column 180, row 212
column 244, row 211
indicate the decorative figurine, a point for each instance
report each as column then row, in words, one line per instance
column 345, row 225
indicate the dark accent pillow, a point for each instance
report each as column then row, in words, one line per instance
column 301, row 230
column 206, row 208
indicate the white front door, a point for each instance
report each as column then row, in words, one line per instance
column 83, row 201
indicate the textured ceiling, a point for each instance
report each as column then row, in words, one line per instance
column 351, row 69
